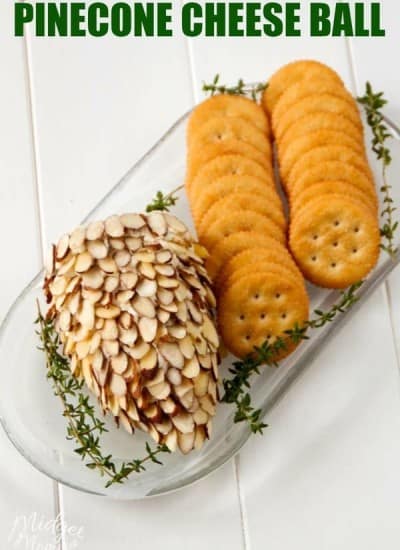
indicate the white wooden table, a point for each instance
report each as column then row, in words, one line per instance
column 74, row 115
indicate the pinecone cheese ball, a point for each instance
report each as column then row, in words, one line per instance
column 132, row 303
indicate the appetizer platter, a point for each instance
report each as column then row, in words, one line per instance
column 172, row 320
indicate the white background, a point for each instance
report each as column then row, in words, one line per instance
column 75, row 114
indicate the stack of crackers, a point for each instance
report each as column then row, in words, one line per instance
column 334, row 227
column 239, row 218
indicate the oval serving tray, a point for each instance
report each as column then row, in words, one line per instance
column 31, row 414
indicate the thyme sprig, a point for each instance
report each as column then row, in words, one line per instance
column 236, row 388
column 164, row 201
column 83, row 426
column 241, row 88
column 373, row 103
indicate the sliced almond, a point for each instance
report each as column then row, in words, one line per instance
column 201, row 384
column 171, row 440
column 129, row 280
column 62, row 248
column 124, row 296
column 58, row 286
column 110, row 330
column 77, row 240
column 207, row 405
column 68, row 266
column 133, row 243
column 119, row 363
column 82, row 349
column 93, row 278
column 200, row 417
column 65, row 320
column 174, row 376
column 145, row 256
column 187, row 400
column 160, row 391
column 163, row 256
column 157, row 223
column 146, row 288
column 111, row 283
column 122, row 258
column 132, row 411
column 200, row 438
column 147, row 270
column 175, row 224
column 118, row 385
column 139, row 350
column 94, row 231
column 165, row 297
column 148, row 328
column 114, row 227
column 164, row 427
column 165, row 269
column 86, row 315
column 117, row 244
column 74, row 303
column 169, row 406
column 125, row 320
column 93, row 296
column 183, row 422
column 167, row 282
column 157, row 379
column 108, row 312
column 73, row 285
column 183, row 388
column 148, row 361
column 163, row 316
column 128, row 336
column 191, row 368
column 182, row 293
column 144, row 307
column 110, row 348
column 107, row 265
column 186, row 346
column 172, row 308
column 84, row 261
column 125, row 422
column 195, row 313
column 172, row 354
column 177, row 331
column 132, row 221
column 182, row 313
column 210, row 332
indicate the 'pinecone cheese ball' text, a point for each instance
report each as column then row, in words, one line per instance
column 132, row 303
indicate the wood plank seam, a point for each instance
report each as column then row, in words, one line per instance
column 38, row 203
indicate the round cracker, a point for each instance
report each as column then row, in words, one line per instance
column 311, row 86
column 319, row 121
column 320, row 155
column 260, row 307
column 198, row 158
column 228, row 106
column 230, row 246
column 227, row 165
column 220, row 129
column 329, row 188
column 316, row 103
column 335, row 241
column 275, row 254
column 230, row 222
column 301, row 145
column 227, row 185
column 237, row 202
column 291, row 74
column 334, row 170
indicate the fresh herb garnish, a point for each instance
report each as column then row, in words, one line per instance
column 373, row 104
column 241, row 88
column 83, row 426
column 164, row 202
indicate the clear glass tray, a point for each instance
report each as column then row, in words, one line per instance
column 31, row 414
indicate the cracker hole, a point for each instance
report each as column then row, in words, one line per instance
column 256, row 296
column 284, row 315
column 356, row 229
column 336, row 223
column 247, row 337
column 262, row 316
column 314, row 258
column 335, row 244
column 277, row 295
column 333, row 264
column 355, row 250
column 242, row 317
column 315, row 237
